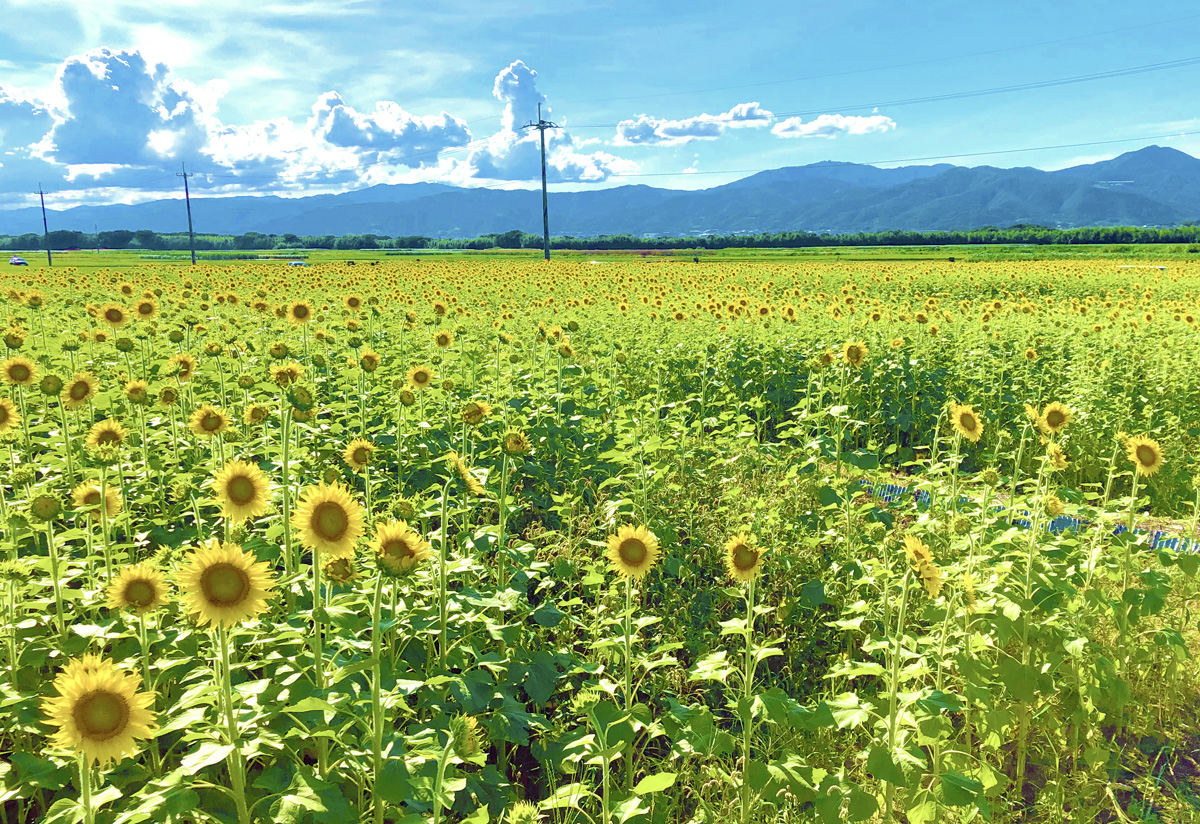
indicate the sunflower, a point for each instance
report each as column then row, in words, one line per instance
column 421, row 377
column 140, row 587
column 407, row 397
column 79, row 390
column 1055, row 418
column 1056, row 456
column 114, row 315
column 466, row 482
column 825, row 359
column 854, row 353
column 105, row 434
column 50, row 385
column 145, row 309
column 223, row 584
column 208, row 421
column 369, row 360
column 358, row 454
column 398, row 548
column 329, row 520
column 168, row 396
column 1032, row 413
column 138, row 392
column 632, row 552
column 99, row 711
column 10, row 418
column 87, row 497
column 515, row 443
column 182, row 366
column 966, row 422
column 743, row 560
column 19, row 371
column 241, row 490
column 443, row 339
column 353, row 302
column 1145, row 454
column 476, row 412
column 916, row 551
column 1031, row 354
column 299, row 313
column 256, row 413
column 340, row 570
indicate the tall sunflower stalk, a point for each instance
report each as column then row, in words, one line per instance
column 743, row 562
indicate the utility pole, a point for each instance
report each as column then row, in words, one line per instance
column 187, row 197
column 45, row 226
column 541, row 126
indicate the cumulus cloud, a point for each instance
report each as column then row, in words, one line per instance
column 411, row 139
column 833, row 125
column 652, row 131
column 23, row 121
column 514, row 153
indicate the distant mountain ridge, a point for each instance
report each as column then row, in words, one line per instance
column 1154, row 186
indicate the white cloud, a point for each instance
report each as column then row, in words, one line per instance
column 646, row 131
column 408, row 139
column 833, row 125
column 23, row 121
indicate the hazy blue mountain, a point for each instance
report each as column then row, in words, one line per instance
column 1153, row 186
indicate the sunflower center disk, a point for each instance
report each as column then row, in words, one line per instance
column 633, row 552
column 224, row 585
column 211, row 423
column 101, row 715
column 139, row 593
column 744, row 557
column 1146, row 456
column 240, row 490
column 108, row 437
column 330, row 521
column 361, row 455
column 398, row 550
column 79, row 391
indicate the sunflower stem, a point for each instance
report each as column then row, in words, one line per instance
column 237, row 768
column 144, row 641
column 501, row 557
column 376, row 703
column 62, row 412
column 445, row 536
column 629, row 672
column 289, row 562
column 747, row 695
column 85, row 791
column 319, row 656
column 54, row 574
column 1023, row 707
column 104, row 532
column 894, row 688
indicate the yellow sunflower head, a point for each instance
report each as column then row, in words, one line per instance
column 10, row 418
column 421, row 377
column 222, row 584
column 515, row 443
column 105, row 434
column 1056, row 457
column 208, row 421
column 854, row 353
column 80, row 389
column 299, row 313
column 966, row 422
column 138, row 392
column 140, row 587
column 743, row 560
column 19, row 371
column 1055, row 418
column 329, row 521
column 476, row 412
column 462, row 477
column 632, row 552
column 99, row 711
column 916, row 551
column 1145, row 454
column 443, row 338
column 369, row 360
column 398, row 549
column 88, row 499
column 358, row 454
column 182, row 366
column 114, row 315
column 241, row 491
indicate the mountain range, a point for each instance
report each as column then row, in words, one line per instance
column 1153, row 186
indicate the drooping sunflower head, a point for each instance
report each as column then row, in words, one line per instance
column 114, row 315
column 1055, row 418
column 182, row 366
column 633, row 551
column 340, row 570
column 137, row 392
column 743, row 560
column 299, row 313
column 515, row 443
column 358, row 454
column 854, row 353
column 99, row 711
column 208, row 421
column 139, row 587
column 80, row 389
column 256, row 413
column 476, row 412
column 222, row 584
column 1145, row 454
column 88, row 499
column 398, row 549
column 18, row 371
column 966, row 422
column 10, row 418
column 1056, row 457
column 1032, row 414
column 462, row 477
column 105, row 434
column 916, row 550
column 241, row 490
column 369, row 360
column 329, row 520
column 421, row 377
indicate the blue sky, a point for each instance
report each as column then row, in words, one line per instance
column 101, row 101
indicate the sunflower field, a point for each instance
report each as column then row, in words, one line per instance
column 502, row 540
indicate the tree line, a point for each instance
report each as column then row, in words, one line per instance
column 147, row 240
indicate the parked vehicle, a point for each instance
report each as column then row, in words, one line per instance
column 17, row 261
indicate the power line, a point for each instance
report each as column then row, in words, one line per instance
column 45, row 226
column 188, row 199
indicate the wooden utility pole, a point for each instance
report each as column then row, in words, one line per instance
column 541, row 126
column 187, row 197
column 45, row 226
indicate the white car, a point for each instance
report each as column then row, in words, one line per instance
column 17, row 261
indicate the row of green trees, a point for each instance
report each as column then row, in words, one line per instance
column 515, row 239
